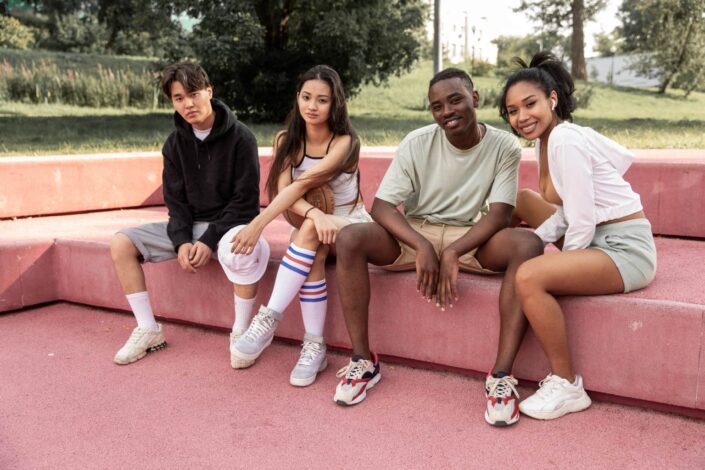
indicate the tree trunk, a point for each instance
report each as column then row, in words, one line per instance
column 275, row 19
column 577, row 43
column 664, row 84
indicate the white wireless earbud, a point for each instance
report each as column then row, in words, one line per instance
column 553, row 104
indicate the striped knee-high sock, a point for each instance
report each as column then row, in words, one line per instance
column 314, row 305
column 293, row 271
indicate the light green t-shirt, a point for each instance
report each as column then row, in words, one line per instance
column 439, row 182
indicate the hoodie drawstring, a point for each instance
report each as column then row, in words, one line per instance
column 198, row 160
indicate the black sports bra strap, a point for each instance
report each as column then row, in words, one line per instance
column 329, row 142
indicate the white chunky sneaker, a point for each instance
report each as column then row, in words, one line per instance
column 258, row 336
column 139, row 344
column 555, row 398
column 502, row 396
column 311, row 362
column 236, row 362
column 356, row 379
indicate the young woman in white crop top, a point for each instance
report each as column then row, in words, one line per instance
column 585, row 207
column 319, row 146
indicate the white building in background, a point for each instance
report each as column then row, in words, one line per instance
column 616, row 70
column 464, row 35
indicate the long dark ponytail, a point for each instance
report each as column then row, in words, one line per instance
column 548, row 73
column 291, row 140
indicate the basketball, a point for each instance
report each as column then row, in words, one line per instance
column 321, row 198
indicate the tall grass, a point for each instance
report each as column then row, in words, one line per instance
column 51, row 81
column 76, row 61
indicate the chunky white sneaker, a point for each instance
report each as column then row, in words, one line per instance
column 139, row 344
column 258, row 336
column 236, row 362
column 502, row 407
column 555, row 398
column 311, row 362
column 356, row 378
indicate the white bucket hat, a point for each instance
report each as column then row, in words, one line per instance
column 243, row 269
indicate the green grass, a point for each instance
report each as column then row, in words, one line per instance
column 382, row 116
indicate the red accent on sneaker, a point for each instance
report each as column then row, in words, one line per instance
column 361, row 391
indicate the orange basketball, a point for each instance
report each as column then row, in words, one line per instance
column 321, row 198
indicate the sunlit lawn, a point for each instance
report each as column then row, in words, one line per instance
column 382, row 116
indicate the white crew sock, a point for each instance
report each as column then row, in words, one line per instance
column 243, row 313
column 314, row 305
column 139, row 303
column 293, row 271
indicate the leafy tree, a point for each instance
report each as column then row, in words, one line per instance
column 134, row 27
column 14, row 34
column 557, row 16
column 606, row 44
column 138, row 27
column 525, row 47
column 669, row 36
column 255, row 50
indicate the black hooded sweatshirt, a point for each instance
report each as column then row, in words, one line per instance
column 215, row 180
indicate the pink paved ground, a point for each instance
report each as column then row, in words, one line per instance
column 65, row 405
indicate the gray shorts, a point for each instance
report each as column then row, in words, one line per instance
column 153, row 242
column 631, row 246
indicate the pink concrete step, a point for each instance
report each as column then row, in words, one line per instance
column 671, row 184
column 645, row 345
column 65, row 405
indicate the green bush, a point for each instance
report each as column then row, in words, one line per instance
column 583, row 96
column 480, row 68
column 14, row 34
column 489, row 97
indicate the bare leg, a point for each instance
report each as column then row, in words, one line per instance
column 506, row 251
column 579, row 272
column 245, row 291
column 318, row 270
column 306, row 237
column 356, row 245
column 127, row 266
column 531, row 208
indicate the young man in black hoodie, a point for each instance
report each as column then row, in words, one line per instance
column 211, row 189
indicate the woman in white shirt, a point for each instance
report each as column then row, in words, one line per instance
column 585, row 207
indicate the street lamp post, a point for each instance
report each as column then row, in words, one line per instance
column 437, row 49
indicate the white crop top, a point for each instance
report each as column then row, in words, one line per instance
column 344, row 186
column 587, row 170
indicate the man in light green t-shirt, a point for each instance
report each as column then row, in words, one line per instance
column 457, row 181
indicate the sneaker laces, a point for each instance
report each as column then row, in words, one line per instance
column 261, row 324
column 502, row 387
column 136, row 335
column 354, row 370
column 549, row 386
column 309, row 352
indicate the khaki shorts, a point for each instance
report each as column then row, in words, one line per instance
column 440, row 236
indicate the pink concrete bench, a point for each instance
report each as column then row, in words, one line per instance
column 671, row 184
column 645, row 345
